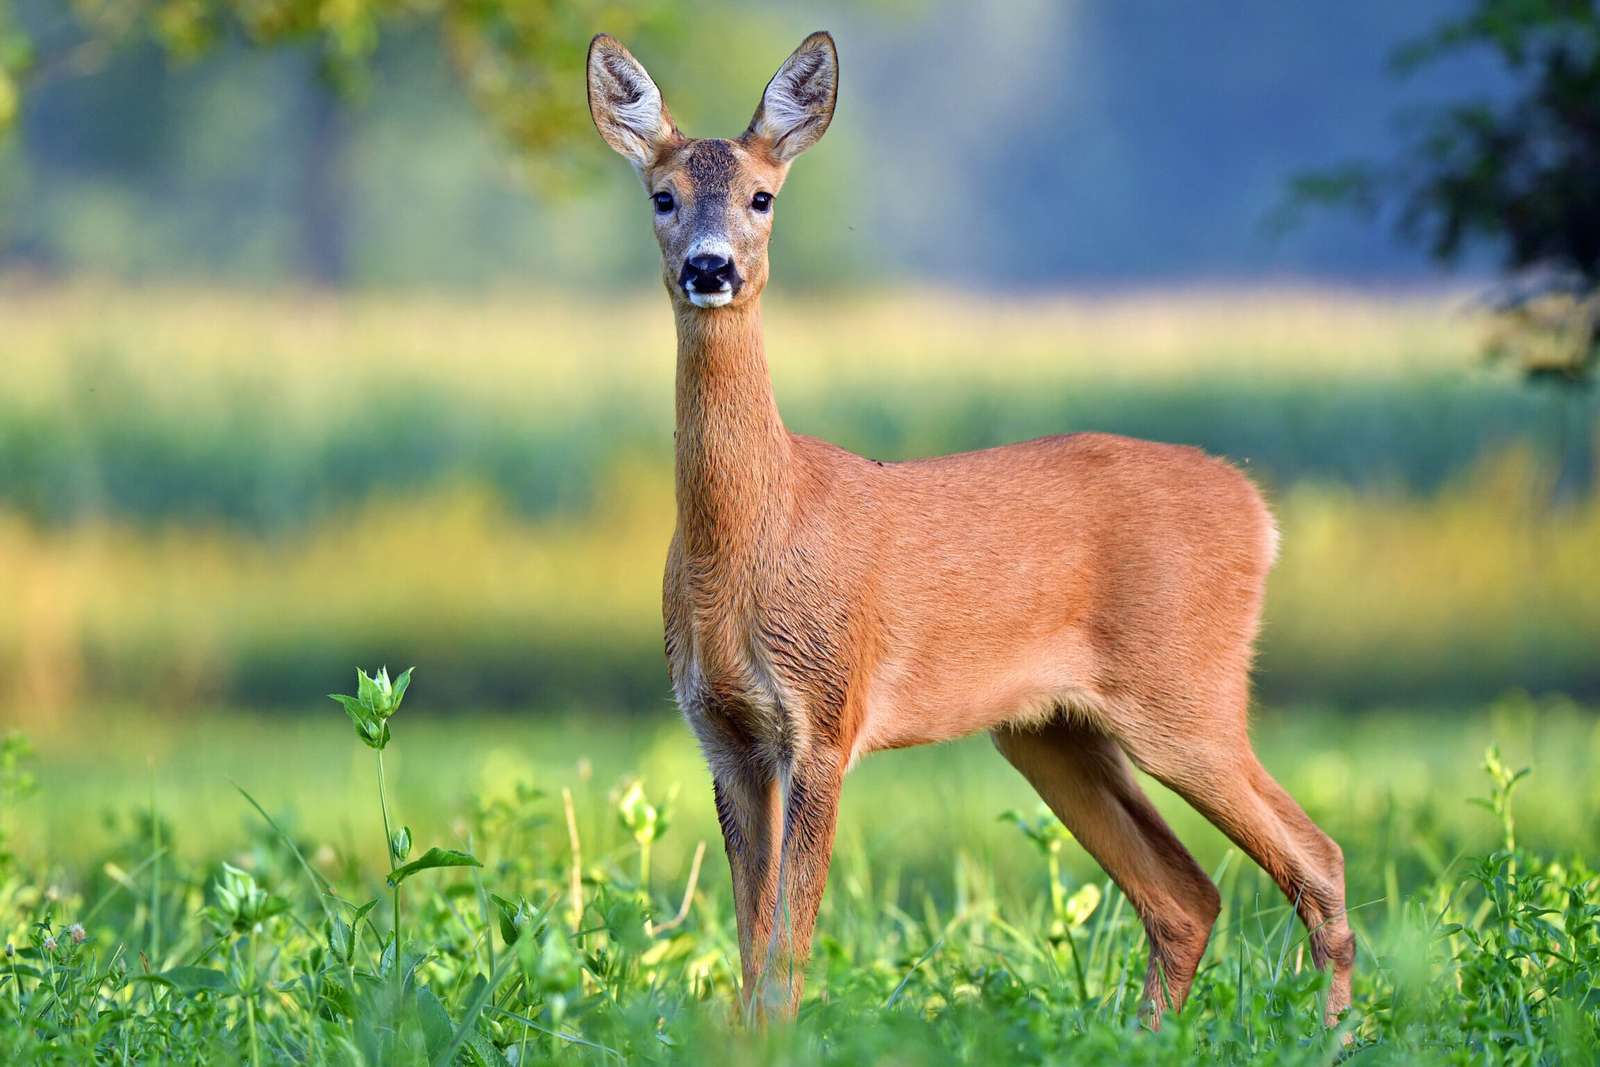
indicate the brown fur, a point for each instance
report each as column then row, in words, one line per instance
column 1087, row 599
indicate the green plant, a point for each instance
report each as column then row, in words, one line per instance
column 1067, row 913
column 645, row 822
column 374, row 703
column 1525, row 954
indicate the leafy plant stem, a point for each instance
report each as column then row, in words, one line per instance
column 55, row 990
column 388, row 851
column 1077, row 967
column 250, row 1001
column 155, row 875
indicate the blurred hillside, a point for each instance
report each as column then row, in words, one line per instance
column 215, row 497
column 1137, row 141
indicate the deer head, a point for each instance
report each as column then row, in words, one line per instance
column 713, row 199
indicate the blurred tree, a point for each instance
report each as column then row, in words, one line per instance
column 518, row 59
column 1522, row 175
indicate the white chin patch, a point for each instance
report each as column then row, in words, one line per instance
column 711, row 300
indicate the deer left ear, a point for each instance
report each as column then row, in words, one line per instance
column 798, row 103
column 626, row 105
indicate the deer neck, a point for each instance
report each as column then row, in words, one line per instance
column 734, row 458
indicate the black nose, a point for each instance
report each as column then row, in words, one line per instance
column 708, row 274
column 711, row 266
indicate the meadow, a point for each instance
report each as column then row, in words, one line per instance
column 213, row 890
column 214, row 504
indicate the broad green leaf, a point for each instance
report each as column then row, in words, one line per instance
column 437, row 1029
column 337, row 998
column 340, row 939
column 367, row 690
column 401, row 684
column 430, row 860
column 508, row 918
column 197, row 979
column 374, row 734
column 482, row 1051
column 367, row 728
column 518, row 919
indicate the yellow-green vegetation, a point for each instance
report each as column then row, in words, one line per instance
column 529, row 353
column 1377, row 596
column 1484, row 579
column 216, row 497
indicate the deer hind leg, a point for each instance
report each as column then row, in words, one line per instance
column 1085, row 779
column 778, row 828
column 1222, row 779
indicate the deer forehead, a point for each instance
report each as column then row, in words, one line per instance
column 709, row 169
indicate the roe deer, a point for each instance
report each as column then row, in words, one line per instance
column 1087, row 599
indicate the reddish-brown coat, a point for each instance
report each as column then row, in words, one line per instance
column 1086, row 598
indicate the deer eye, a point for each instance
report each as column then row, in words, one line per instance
column 663, row 202
column 761, row 201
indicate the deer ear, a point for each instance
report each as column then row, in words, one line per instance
column 625, row 104
column 798, row 102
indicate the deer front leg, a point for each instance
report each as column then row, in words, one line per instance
column 751, row 817
column 778, row 827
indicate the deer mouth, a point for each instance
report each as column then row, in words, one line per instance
column 720, row 298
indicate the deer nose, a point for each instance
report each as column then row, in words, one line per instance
column 712, row 265
column 708, row 274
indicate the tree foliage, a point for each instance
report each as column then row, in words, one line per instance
column 1519, row 173
column 518, row 59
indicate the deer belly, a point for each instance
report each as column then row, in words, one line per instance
column 934, row 698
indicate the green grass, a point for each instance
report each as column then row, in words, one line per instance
column 937, row 943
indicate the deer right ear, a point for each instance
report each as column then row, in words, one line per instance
column 625, row 104
column 798, row 103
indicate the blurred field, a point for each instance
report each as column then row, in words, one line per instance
column 212, row 497
column 271, row 411
column 1378, row 597
column 1393, row 780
